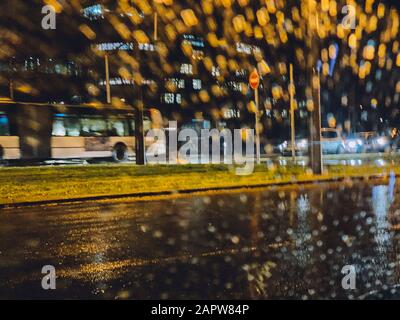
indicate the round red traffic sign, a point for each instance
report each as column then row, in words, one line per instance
column 254, row 80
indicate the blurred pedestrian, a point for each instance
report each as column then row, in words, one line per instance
column 394, row 139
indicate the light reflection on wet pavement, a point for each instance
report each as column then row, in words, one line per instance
column 275, row 243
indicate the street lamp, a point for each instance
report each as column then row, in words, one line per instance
column 107, row 71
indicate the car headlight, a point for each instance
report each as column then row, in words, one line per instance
column 302, row 144
column 283, row 145
column 381, row 141
column 352, row 144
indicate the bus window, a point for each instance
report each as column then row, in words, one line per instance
column 73, row 127
column 4, row 125
column 133, row 124
column 93, row 127
column 146, row 124
column 59, row 128
column 64, row 126
column 118, row 128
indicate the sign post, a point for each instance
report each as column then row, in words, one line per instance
column 254, row 81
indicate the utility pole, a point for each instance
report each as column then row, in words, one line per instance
column 315, row 126
column 315, row 148
column 139, row 130
column 108, row 88
column 292, row 120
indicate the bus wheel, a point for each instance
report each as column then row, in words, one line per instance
column 120, row 152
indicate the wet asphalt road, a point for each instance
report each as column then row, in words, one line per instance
column 290, row 242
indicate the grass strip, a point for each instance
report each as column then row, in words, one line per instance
column 29, row 184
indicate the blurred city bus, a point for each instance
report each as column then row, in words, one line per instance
column 33, row 131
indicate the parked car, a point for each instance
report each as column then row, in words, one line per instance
column 356, row 143
column 301, row 147
column 373, row 142
column 331, row 142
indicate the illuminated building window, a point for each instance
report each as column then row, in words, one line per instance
column 117, row 82
column 198, row 55
column 186, row 68
column 235, row 86
column 171, row 98
column 146, row 47
column 147, row 82
column 177, row 83
column 110, row 46
column 247, row 48
column 181, row 84
column 193, row 40
column 231, row 113
column 93, row 12
column 215, row 72
column 196, row 84
column 61, row 69
column 30, row 64
column 241, row 73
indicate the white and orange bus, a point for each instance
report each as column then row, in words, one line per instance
column 31, row 131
